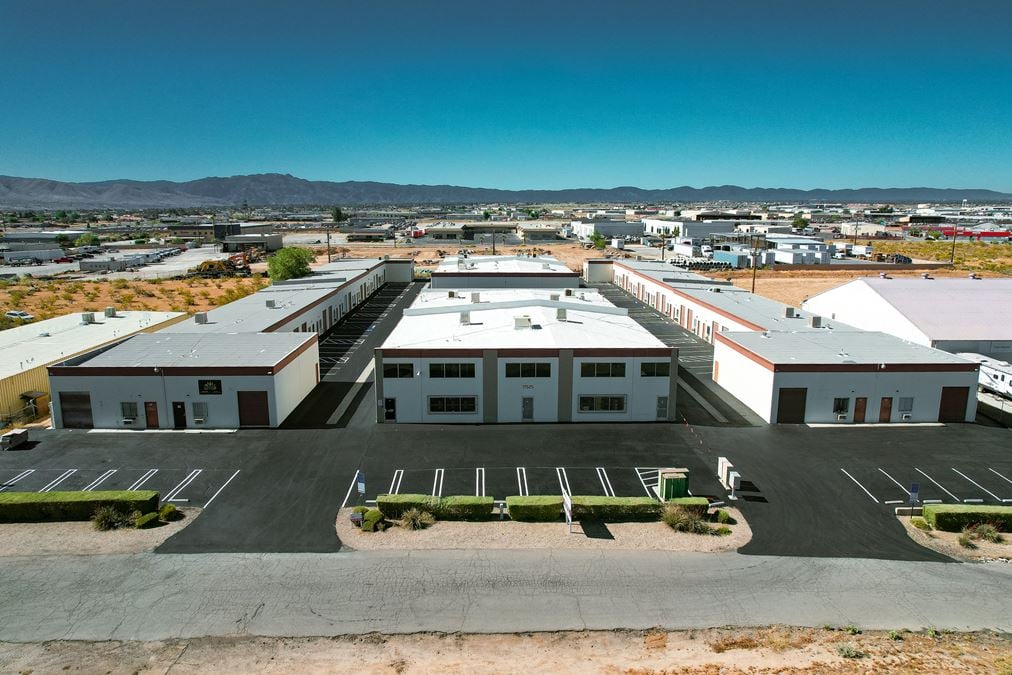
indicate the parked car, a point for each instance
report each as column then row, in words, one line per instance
column 64, row 259
column 23, row 317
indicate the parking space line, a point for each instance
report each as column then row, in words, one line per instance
column 560, row 472
column 230, row 480
column 98, row 481
column 62, row 477
column 347, row 495
column 999, row 475
column 437, row 484
column 12, row 481
column 522, row 481
column 977, row 484
column 860, row 486
column 895, row 481
column 171, row 497
column 937, row 484
column 395, row 482
column 143, row 479
column 602, row 476
column 479, row 482
column 643, row 472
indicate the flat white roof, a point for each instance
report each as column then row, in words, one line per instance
column 502, row 265
column 434, row 322
column 826, row 346
column 45, row 342
column 174, row 350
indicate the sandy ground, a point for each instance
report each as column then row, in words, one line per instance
column 766, row 650
column 513, row 535
column 947, row 543
column 81, row 538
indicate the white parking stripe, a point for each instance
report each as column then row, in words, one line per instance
column 230, row 480
column 12, row 481
column 640, row 473
column 354, row 479
column 179, row 488
column 860, row 486
column 936, row 484
column 437, row 484
column 395, row 482
column 479, row 482
column 602, row 476
column 522, row 481
column 98, row 481
column 977, row 484
column 143, row 479
column 895, row 481
column 563, row 480
column 62, row 477
column 999, row 475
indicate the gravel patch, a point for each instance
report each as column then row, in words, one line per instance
column 81, row 537
column 508, row 534
column 947, row 543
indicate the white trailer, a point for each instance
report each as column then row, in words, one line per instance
column 995, row 376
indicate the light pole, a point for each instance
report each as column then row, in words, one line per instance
column 755, row 259
column 955, row 232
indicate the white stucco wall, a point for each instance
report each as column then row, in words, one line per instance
column 412, row 393
column 598, row 273
column 544, row 391
column 641, row 392
column 856, row 304
column 318, row 318
column 294, row 383
column 746, row 380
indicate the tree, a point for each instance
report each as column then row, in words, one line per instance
column 799, row 221
column 485, row 215
column 339, row 217
column 62, row 240
column 289, row 263
column 87, row 239
column 598, row 240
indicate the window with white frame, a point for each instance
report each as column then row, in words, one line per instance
column 128, row 409
column 841, row 406
column 906, row 404
column 200, row 410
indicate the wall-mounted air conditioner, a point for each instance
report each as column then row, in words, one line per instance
column 841, row 418
column 198, row 420
column 127, row 420
column 906, row 417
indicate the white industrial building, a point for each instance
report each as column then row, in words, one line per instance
column 503, row 272
column 952, row 314
column 762, row 347
column 608, row 229
column 522, row 355
column 183, row 380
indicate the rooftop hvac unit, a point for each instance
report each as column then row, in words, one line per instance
column 816, row 321
column 88, row 317
column 271, row 304
column 110, row 311
column 200, row 317
column 476, row 298
column 451, row 294
column 546, row 266
column 789, row 312
column 560, row 313
column 465, row 318
column 569, row 292
column 553, row 297
column 521, row 322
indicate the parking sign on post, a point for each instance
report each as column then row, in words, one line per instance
column 915, row 490
column 361, row 483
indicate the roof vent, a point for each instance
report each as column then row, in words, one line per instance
column 569, row 292
column 271, row 304
column 465, row 318
column 521, row 322
column 973, row 275
column 789, row 312
column 816, row 321
column 554, row 297
column 451, row 294
column 560, row 314
column 714, row 289
column 44, row 335
column 200, row 317
column 87, row 317
column 925, row 275
column 546, row 266
column 110, row 311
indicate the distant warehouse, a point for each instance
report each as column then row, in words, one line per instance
column 503, row 272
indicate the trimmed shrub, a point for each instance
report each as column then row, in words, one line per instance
column 535, row 509
column 109, row 518
column 615, row 509
column 413, row 519
column 34, row 507
column 698, row 505
column 464, row 507
column 147, row 520
column 954, row 517
column 169, row 513
column 359, row 509
column 393, row 506
column 373, row 521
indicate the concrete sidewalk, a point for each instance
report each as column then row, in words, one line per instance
column 151, row 597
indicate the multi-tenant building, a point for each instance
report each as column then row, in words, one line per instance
column 503, row 272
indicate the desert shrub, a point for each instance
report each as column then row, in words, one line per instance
column 109, row 518
column 954, row 517
column 986, row 532
column 535, row 509
column 142, row 522
column 615, row 509
column 393, row 506
column 699, row 505
column 849, row 651
column 920, row 523
column 169, row 513
column 465, row 507
column 373, row 521
column 722, row 517
column 895, row 635
column 681, row 519
column 721, row 531
column 966, row 541
column 852, row 629
column 413, row 519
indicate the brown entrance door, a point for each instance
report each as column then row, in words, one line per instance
column 885, row 410
column 151, row 414
column 688, row 318
column 253, row 409
column 860, row 405
column 75, row 410
column 953, row 405
column 791, row 406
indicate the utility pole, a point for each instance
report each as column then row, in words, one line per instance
column 755, row 260
column 955, row 232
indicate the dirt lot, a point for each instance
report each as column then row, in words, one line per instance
column 973, row 256
column 766, row 650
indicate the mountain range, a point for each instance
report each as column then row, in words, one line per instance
column 273, row 189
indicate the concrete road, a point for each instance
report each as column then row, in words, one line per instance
column 152, row 597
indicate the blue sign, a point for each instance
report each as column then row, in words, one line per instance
column 915, row 489
column 361, row 483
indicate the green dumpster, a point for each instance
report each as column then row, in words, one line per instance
column 673, row 483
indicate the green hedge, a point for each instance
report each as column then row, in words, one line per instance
column 146, row 521
column 464, row 508
column 615, row 509
column 29, row 507
column 535, row 509
column 393, row 506
column 372, row 520
column 954, row 517
column 699, row 505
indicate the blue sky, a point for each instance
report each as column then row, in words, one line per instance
column 546, row 94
